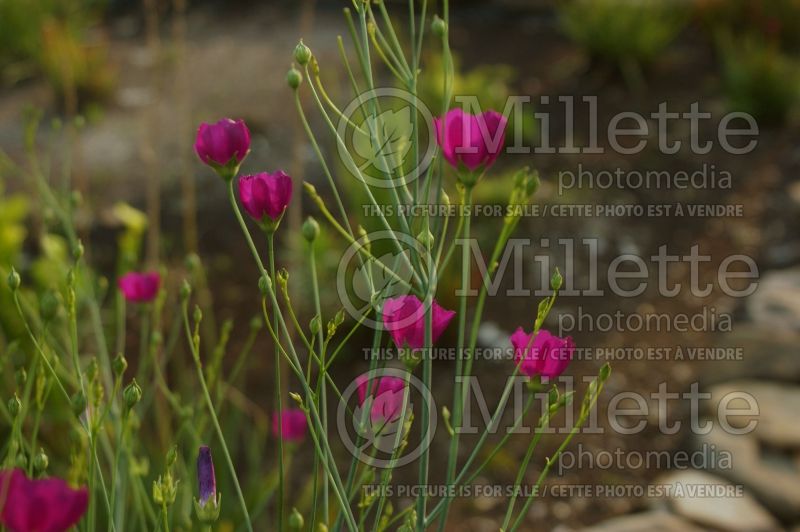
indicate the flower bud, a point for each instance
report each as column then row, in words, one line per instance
column 296, row 520
column 556, row 280
column 119, row 365
column 198, row 314
column 172, row 456
column 322, row 527
column 310, row 229
column 193, row 262
column 14, row 406
column 256, row 323
column 207, row 506
column 302, row 53
column 132, row 394
column 315, row 324
column 265, row 285
column 77, row 252
column 40, row 461
column 283, row 278
column 14, row 280
column 438, row 26
column 92, row 370
column 294, row 78
column 186, row 290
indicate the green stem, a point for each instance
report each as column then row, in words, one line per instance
column 212, row 412
column 277, row 387
column 458, row 401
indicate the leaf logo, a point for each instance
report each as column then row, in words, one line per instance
column 382, row 421
column 384, row 140
column 383, row 283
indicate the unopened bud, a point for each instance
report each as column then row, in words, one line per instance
column 302, row 53
column 438, row 26
column 296, row 520
column 556, row 280
column 119, row 365
column 310, row 229
column 265, row 285
column 172, row 456
column 77, row 252
column 198, row 314
column 14, row 406
column 186, row 290
column 294, row 78
column 132, row 394
column 315, row 324
column 14, row 280
column 40, row 461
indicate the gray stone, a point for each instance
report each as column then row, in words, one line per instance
column 778, row 410
column 774, row 481
column 758, row 353
column 776, row 302
column 722, row 507
column 655, row 521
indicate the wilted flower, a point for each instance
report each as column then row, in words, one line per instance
column 223, row 145
column 471, row 140
column 387, row 396
column 46, row 505
column 404, row 318
column 265, row 196
column 548, row 355
column 290, row 424
column 140, row 287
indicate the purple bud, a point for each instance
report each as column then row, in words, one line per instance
column 205, row 476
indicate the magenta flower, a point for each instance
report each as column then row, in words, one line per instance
column 46, row 505
column 224, row 144
column 265, row 196
column 293, row 423
column 404, row 318
column 471, row 140
column 387, row 396
column 206, row 480
column 139, row 287
column 547, row 356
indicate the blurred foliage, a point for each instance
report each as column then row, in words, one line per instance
column 759, row 78
column 777, row 21
column 51, row 38
column 623, row 31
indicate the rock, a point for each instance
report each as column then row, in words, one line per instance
column 778, row 406
column 655, row 521
column 759, row 353
column 773, row 480
column 733, row 512
column 776, row 302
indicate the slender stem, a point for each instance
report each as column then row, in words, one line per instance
column 458, row 400
column 323, row 366
column 277, row 387
column 212, row 412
